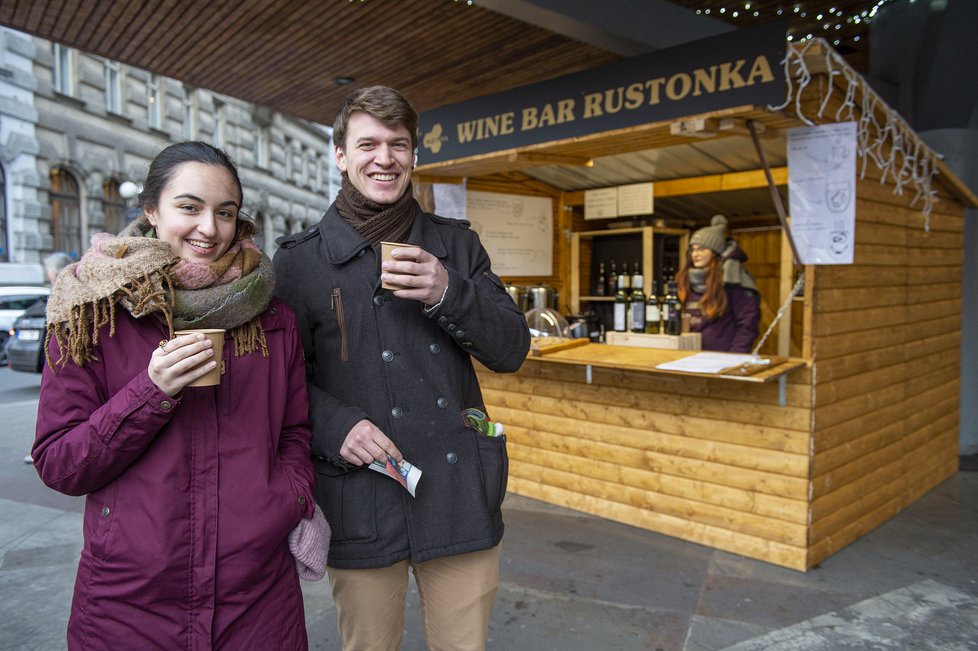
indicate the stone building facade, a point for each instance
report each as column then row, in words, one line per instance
column 75, row 128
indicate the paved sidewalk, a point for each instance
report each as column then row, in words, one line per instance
column 573, row 581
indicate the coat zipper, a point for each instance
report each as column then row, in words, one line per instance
column 336, row 303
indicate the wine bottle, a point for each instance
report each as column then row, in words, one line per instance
column 674, row 318
column 653, row 317
column 621, row 306
column 628, row 278
column 600, row 285
column 637, row 304
column 612, row 286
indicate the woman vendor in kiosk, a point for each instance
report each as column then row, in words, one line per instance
column 717, row 292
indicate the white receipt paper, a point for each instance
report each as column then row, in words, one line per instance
column 705, row 363
column 406, row 474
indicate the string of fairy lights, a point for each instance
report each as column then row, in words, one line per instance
column 835, row 24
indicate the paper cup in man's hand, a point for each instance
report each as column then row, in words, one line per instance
column 216, row 335
column 385, row 256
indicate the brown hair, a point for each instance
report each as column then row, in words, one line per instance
column 713, row 304
column 382, row 102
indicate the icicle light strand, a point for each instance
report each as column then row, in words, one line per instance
column 909, row 161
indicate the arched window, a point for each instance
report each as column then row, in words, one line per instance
column 4, row 249
column 113, row 207
column 65, row 213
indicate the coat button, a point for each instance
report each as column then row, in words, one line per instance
column 451, row 327
column 378, row 300
column 105, row 511
column 165, row 405
column 442, row 403
column 302, row 500
column 387, row 356
column 451, row 457
column 397, row 412
column 434, row 348
column 361, row 252
column 459, row 334
column 442, row 319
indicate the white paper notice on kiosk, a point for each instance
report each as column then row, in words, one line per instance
column 822, row 192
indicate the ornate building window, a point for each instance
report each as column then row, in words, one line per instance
column 220, row 125
column 113, row 207
column 189, row 114
column 63, row 77
column 155, row 101
column 65, row 213
column 261, row 147
column 113, row 87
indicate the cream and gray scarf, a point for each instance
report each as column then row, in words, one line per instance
column 141, row 273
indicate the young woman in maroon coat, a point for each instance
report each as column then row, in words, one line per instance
column 717, row 293
column 191, row 492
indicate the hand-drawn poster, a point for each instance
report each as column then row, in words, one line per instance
column 822, row 192
column 516, row 230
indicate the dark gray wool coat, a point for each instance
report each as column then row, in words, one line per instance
column 370, row 355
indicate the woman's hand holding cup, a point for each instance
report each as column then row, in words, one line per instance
column 181, row 360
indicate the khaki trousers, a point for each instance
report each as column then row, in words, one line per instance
column 457, row 594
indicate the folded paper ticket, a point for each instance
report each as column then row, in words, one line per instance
column 403, row 472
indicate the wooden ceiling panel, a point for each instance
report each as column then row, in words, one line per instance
column 285, row 54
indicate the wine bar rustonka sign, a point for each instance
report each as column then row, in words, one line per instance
column 743, row 67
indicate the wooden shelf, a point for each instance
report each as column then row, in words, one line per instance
column 581, row 258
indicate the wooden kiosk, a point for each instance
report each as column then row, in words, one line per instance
column 856, row 418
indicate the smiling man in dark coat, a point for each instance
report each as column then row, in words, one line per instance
column 389, row 373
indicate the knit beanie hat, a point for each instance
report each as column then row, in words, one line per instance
column 714, row 236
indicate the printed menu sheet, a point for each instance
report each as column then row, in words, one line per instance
column 822, row 192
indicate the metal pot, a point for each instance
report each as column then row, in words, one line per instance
column 542, row 296
column 519, row 296
column 585, row 326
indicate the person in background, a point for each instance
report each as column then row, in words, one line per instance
column 191, row 492
column 390, row 373
column 717, row 292
column 53, row 264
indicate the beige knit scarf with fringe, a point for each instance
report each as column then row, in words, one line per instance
column 140, row 273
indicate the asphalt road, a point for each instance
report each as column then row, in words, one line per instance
column 18, row 415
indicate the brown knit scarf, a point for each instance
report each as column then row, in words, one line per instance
column 375, row 222
column 140, row 273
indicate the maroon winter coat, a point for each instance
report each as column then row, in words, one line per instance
column 190, row 500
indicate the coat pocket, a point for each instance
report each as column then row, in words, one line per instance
column 336, row 304
column 348, row 501
column 101, row 509
column 495, row 469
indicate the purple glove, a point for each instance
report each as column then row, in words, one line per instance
column 309, row 544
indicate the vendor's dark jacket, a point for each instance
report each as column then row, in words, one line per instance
column 370, row 355
column 736, row 329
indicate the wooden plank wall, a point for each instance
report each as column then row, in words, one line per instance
column 716, row 462
column 886, row 337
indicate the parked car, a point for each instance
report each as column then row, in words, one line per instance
column 25, row 347
column 13, row 302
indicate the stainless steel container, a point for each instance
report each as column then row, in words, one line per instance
column 542, row 296
column 519, row 296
